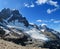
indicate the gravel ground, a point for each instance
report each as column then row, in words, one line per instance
column 10, row 45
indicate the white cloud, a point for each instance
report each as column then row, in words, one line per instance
column 51, row 19
column 31, row 23
column 44, row 21
column 50, row 2
column 39, row 2
column 51, row 10
column 48, row 21
column 54, row 3
column 28, row 5
column 43, row 24
column 39, row 21
column 48, row 11
column 57, row 21
column 32, row 5
column 25, row 4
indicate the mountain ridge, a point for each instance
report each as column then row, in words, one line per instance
column 13, row 24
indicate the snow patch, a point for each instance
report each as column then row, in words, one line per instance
column 42, row 30
column 36, row 34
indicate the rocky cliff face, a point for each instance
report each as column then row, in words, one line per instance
column 12, row 15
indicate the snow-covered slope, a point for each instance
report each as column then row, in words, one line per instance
column 32, row 32
column 36, row 34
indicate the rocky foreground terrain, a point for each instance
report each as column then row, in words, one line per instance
column 10, row 45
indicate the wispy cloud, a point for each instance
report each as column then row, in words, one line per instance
column 43, row 24
column 41, row 2
column 50, row 2
column 32, row 5
column 51, row 10
column 29, row 5
column 57, row 21
column 48, row 21
column 51, row 19
column 26, row 5
column 54, row 3
column 31, row 23
column 54, row 21
column 39, row 20
column 44, row 21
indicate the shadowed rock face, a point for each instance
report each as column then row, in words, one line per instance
column 5, row 13
column 54, row 44
column 12, row 15
column 2, row 32
column 19, row 41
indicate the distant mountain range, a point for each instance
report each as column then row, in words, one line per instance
column 12, row 23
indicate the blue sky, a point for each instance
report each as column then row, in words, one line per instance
column 37, row 11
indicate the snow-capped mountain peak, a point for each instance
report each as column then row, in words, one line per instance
column 17, row 24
